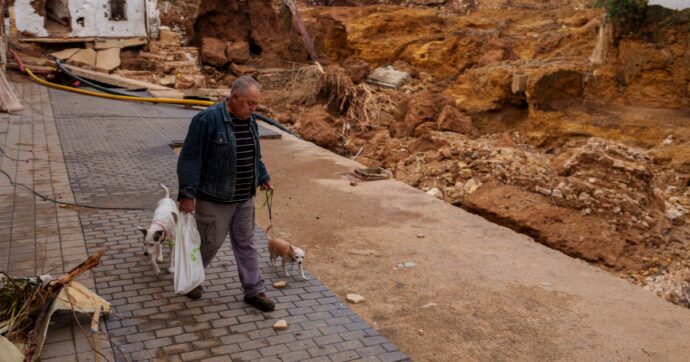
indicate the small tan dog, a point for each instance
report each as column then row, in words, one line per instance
column 288, row 254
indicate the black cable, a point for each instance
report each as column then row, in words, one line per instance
column 68, row 203
column 90, row 83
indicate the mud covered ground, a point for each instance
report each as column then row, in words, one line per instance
column 589, row 156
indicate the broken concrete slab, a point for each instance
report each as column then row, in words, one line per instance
column 85, row 57
column 108, row 59
column 388, row 77
column 65, row 54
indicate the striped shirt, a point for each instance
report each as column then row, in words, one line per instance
column 246, row 152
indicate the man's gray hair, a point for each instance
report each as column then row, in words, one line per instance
column 242, row 84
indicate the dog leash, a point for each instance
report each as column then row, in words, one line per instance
column 269, row 202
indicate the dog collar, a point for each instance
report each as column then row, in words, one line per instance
column 163, row 226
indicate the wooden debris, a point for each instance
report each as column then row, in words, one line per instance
column 65, row 54
column 114, row 79
column 120, row 43
column 8, row 100
column 166, row 93
column 57, row 40
column 84, row 56
column 9, row 352
column 108, row 59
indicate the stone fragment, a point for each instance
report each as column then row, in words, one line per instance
column 280, row 325
column 213, row 52
column 436, row 193
column 355, row 298
column 237, row 52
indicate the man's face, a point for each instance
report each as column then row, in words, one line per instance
column 243, row 105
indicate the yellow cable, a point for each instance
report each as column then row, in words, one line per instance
column 188, row 102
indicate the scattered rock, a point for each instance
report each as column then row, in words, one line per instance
column 421, row 236
column 280, row 284
column 240, row 70
column 355, row 298
column 436, row 193
column 407, row 265
column 213, row 52
column 280, row 325
column 420, row 332
column 453, row 120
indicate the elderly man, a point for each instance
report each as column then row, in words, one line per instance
column 219, row 169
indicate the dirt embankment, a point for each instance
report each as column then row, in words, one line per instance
column 528, row 113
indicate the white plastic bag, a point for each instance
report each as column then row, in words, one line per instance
column 189, row 268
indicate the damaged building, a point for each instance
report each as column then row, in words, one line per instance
column 87, row 18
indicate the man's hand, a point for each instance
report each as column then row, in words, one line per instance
column 187, row 205
column 266, row 186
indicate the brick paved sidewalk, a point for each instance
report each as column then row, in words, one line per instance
column 123, row 154
column 37, row 236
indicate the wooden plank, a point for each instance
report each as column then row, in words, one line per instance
column 115, row 80
column 168, row 93
column 8, row 100
column 120, row 43
column 57, row 40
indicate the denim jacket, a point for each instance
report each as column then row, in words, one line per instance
column 207, row 165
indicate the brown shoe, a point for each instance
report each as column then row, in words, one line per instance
column 260, row 302
column 195, row 293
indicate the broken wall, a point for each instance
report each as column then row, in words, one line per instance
column 89, row 18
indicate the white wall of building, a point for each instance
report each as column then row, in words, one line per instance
column 672, row 4
column 89, row 18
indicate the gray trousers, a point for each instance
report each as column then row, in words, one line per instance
column 214, row 221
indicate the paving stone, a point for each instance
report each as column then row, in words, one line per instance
column 124, row 169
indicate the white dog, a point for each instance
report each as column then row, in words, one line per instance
column 161, row 230
column 288, row 254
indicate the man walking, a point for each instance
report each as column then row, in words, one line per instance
column 219, row 170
